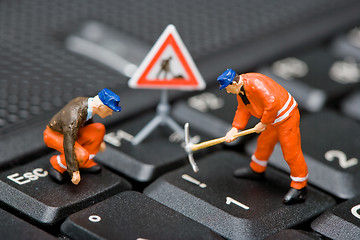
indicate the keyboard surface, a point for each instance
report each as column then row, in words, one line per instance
column 53, row 51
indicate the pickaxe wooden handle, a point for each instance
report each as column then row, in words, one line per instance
column 190, row 148
column 215, row 141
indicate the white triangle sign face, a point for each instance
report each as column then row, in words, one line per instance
column 168, row 65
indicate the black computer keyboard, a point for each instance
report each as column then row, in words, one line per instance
column 149, row 191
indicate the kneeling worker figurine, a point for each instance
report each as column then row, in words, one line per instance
column 72, row 133
column 262, row 97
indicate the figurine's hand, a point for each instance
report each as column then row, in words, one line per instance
column 230, row 135
column 260, row 127
column 102, row 147
column 76, row 178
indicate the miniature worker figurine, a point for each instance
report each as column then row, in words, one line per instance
column 262, row 97
column 72, row 133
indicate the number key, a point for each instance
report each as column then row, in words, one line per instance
column 340, row 222
column 330, row 143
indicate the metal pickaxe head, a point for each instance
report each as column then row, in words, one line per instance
column 188, row 149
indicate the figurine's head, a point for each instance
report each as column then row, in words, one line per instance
column 105, row 103
column 231, row 81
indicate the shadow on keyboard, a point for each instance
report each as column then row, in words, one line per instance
column 54, row 51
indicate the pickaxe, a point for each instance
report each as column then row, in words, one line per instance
column 190, row 148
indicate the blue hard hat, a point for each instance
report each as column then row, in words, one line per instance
column 110, row 99
column 226, row 78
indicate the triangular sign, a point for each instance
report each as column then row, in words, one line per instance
column 168, row 65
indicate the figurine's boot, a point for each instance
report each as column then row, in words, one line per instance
column 56, row 171
column 57, row 176
column 248, row 173
column 295, row 196
column 90, row 166
column 94, row 169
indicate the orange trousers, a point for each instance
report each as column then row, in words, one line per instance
column 86, row 146
column 288, row 134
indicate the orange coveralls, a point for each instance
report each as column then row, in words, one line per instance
column 86, row 146
column 274, row 106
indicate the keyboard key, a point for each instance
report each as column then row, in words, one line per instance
column 160, row 152
column 30, row 190
column 12, row 227
column 326, row 72
column 132, row 215
column 350, row 105
column 347, row 45
column 315, row 76
column 294, row 234
column 330, row 144
column 341, row 221
column 210, row 113
column 234, row 208
column 110, row 47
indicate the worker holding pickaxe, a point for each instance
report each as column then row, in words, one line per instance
column 262, row 97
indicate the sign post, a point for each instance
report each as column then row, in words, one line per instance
column 168, row 65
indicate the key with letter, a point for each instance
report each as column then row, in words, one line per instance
column 29, row 189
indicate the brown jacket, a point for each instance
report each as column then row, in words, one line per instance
column 68, row 121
